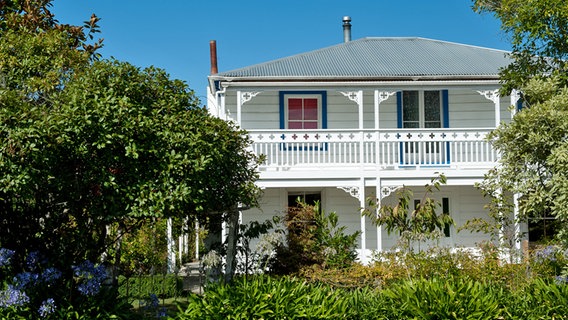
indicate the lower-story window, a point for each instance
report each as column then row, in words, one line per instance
column 543, row 228
column 307, row 198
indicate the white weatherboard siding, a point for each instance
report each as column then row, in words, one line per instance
column 271, row 203
column 260, row 113
column 347, row 208
column 387, row 114
column 471, row 205
column 469, row 109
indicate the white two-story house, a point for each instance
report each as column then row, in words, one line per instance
column 365, row 117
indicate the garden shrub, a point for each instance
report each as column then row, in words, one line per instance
column 435, row 284
column 140, row 287
column 144, row 251
column 313, row 238
column 416, row 224
column 444, row 263
column 356, row 276
column 392, row 267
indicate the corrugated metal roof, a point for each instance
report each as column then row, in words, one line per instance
column 375, row 58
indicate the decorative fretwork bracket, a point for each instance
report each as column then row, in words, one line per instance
column 352, row 191
column 247, row 96
column 388, row 190
column 492, row 95
column 355, row 96
column 384, row 96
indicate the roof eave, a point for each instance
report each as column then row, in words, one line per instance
column 353, row 79
column 243, row 82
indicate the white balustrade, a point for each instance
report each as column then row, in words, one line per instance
column 386, row 148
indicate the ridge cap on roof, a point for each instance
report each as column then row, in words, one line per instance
column 432, row 40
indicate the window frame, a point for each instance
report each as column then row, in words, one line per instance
column 321, row 97
column 443, row 95
column 444, row 121
column 312, row 195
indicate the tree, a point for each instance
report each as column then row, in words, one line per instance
column 533, row 155
column 538, row 31
column 420, row 224
column 86, row 144
column 533, row 146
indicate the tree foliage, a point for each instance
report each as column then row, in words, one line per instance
column 538, row 31
column 418, row 223
column 87, row 143
column 533, row 146
column 534, row 151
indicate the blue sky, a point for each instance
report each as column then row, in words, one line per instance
column 175, row 34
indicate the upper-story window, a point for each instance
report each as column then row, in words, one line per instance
column 303, row 110
column 303, row 113
column 421, row 109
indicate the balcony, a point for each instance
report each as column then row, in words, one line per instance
column 368, row 149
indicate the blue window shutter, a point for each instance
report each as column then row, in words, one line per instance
column 445, row 109
column 399, row 108
column 323, row 109
column 520, row 105
column 282, row 111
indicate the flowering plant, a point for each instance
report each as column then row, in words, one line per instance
column 33, row 289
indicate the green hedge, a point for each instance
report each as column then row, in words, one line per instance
column 140, row 287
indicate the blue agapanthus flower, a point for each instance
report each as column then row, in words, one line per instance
column 25, row 280
column 162, row 313
column 33, row 260
column 561, row 279
column 49, row 275
column 47, row 307
column 547, row 254
column 12, row 297
column 152, row 302
column 5, row 256
column 90, row 277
